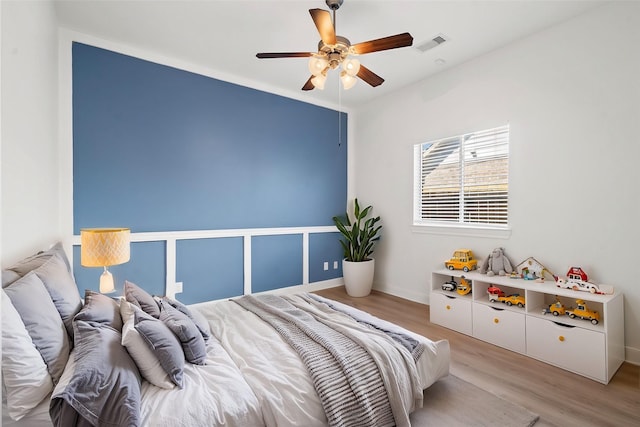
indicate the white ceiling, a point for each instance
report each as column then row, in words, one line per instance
column 224, row 36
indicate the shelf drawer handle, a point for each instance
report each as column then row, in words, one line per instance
column 448, row 307
column 561, row 338
column 496, row 320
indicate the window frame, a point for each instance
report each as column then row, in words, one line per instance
column 460, row 226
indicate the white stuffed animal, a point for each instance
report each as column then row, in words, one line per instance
column 496, row 263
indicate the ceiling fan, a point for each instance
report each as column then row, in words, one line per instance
column 334, row 50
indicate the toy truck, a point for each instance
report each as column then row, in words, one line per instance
column 583, row 312
column 494, row 293
column 556, row 309
column 462, row 259
column 578, row 281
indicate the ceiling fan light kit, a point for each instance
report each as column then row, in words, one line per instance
column 334, row 50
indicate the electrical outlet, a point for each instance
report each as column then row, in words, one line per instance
column 335, row 265
column 326, row 266
column 178, row 287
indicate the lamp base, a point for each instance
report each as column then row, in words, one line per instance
column 106, row 282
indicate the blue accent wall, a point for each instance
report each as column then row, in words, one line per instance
column 324, row 247
column 276, row 262
column 215, row 265
column 162, row 149
column 137, row 270
column 156, row 148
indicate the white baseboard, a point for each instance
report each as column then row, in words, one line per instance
column 403, row 293
column 632, row 355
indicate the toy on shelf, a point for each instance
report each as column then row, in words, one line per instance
column 464, row 287
column 578, row 281
column 557, row 308
column 583, row 312
column 532, row 269
column 513, row 299
column 496, row 263
column 450, row 285
column 494, row 293
column 462, row 259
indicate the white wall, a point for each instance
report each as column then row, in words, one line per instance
column 572, row 97
column 29, row 159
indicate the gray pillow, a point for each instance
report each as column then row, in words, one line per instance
column 102, row 309
column 34, row 261
column 163, row 343
column 8, row 277
column 191, row 339
column 194, row 315
column 138, row 296
column 102, row 386
column 62, row 288
column 42, row 320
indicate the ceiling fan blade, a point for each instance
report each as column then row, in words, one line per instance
column 369, row 76
column 385, row 43
column 308, row 85
column 284, row 55
column 322, row 19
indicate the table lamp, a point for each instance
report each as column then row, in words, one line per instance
column 103, row 247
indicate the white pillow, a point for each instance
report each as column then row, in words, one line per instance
column 147, row 362
column 24, row 372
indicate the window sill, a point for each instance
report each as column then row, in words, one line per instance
column 462, row 230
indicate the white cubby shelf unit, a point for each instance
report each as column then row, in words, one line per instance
column 577, row 345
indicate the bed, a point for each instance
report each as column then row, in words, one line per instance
column 255, row 360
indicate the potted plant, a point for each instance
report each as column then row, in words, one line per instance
column 360, row 236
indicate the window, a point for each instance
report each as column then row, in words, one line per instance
column 463, row 180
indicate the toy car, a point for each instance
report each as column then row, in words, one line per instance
column 515, row 299
column 494, row 292
column 578, row 285
column 462, row 259
column 583, row 312
column 556, row 309
column 450, row 285
column 464, row 287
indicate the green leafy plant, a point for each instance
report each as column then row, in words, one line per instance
column 360, row 235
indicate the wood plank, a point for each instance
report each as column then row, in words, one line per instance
column 561, row 398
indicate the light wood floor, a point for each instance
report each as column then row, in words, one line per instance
column 559, row 397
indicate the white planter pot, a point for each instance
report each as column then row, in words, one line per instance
column 358, row 277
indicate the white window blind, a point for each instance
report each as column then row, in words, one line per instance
column 463, row 179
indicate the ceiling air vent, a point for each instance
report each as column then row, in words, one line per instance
column 430, row 44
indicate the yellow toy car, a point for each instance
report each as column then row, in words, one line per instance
column 515, row 299
column 556, row 309
column 462, row 259
column 583, row 312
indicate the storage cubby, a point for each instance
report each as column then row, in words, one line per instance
column 594, row 349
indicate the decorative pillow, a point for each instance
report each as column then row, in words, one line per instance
column 102, row 385
column 194, row 315
column 147, row 361
column 62, row 288
column 163, row 343
column 28, row 264
column 191, row 339
column 42, row 320
column 138, row 296
column 101, row 309
column 24, row 373
column 8, row 277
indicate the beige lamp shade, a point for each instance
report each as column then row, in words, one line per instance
column 102, row 247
